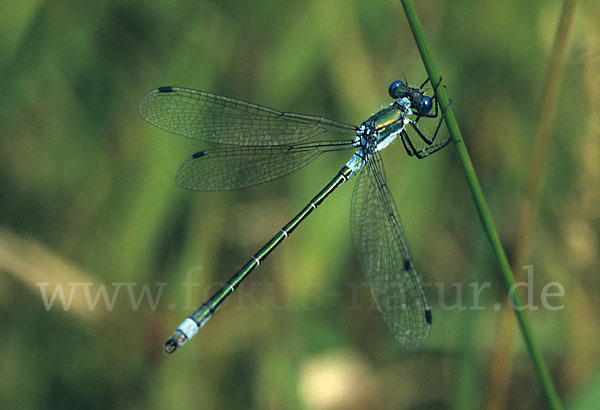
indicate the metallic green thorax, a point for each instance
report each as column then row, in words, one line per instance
column 389, row 120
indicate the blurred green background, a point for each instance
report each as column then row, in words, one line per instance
column 89, row 203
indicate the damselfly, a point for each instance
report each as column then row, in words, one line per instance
column 270, row 144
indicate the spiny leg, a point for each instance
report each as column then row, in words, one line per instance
column 437, row 128
column 424, row 152
column 424, row 83
column 434, row 98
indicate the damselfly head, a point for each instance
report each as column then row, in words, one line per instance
column 420, row 103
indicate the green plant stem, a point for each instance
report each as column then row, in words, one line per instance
column 482, row 208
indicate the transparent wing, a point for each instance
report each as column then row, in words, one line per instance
column 241, row 167
column 383, row 253
column 222, row 120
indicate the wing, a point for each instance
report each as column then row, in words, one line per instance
column 222, row 120
column 383, row 253
column 241, row 167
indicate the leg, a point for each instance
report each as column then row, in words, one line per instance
column 424, row 83
column 424, row 152
column 431, row 148
column 427, row 140
column 434, row 98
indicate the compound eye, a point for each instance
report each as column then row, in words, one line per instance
column 426, row 105
column 397, row 89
